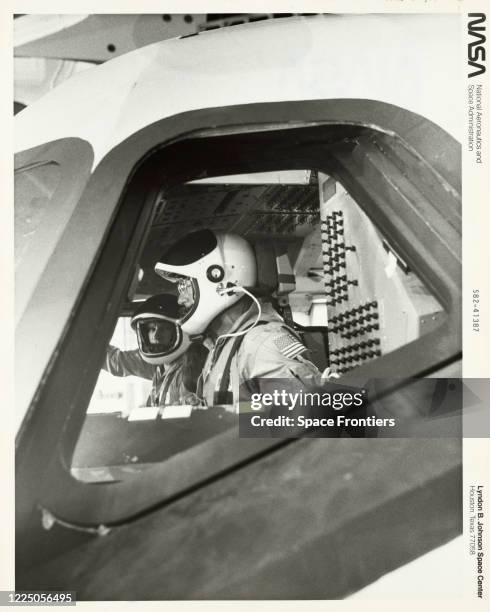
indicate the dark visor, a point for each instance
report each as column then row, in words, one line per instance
column 157, row 336
column 190, row 249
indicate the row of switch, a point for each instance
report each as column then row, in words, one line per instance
column 358, row 332
column 329, row 257
column 336, row 280
column 332, row 236
column 356, row 346
column 338, row 300
column 355, row 358
column 341, row 247
column 329, row 228
column 366, row 307
column 337, row 216
column 331, row 269
column 356, row 319
column 341, row 287
column 352, row 324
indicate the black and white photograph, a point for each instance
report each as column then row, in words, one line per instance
column 238, row 304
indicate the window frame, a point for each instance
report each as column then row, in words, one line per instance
column 33, row 289
column 44, row 458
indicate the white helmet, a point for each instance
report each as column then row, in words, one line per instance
column 206, row 264
column 160, row 338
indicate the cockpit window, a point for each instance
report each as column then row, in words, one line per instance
column 48, row 182
column 324, row 268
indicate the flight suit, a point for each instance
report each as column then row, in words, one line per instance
column 167, row 383
column 270, row 349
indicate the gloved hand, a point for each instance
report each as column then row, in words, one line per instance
column 328, row 374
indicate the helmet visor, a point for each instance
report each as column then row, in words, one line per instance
column 158, row 337
column 190, row 249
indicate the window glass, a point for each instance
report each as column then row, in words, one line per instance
column 323, row 268
column 35, row 186
column 48, row 182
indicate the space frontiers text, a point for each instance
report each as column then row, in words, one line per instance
column 339, row 421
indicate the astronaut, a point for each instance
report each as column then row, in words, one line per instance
column 162, row 353
column 247, row 339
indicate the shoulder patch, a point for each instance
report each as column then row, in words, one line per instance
column 289, row 345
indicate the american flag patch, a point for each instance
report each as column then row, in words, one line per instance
column 289, row 345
